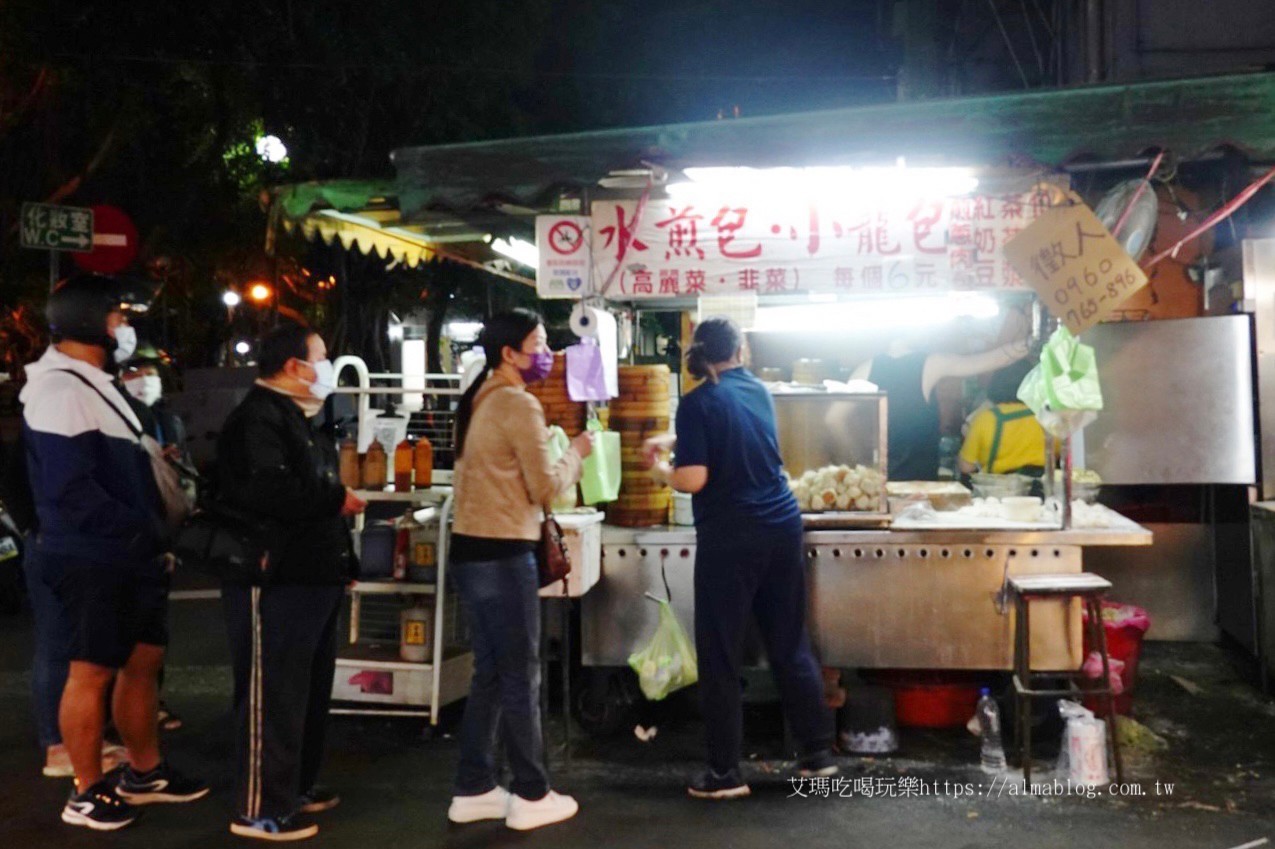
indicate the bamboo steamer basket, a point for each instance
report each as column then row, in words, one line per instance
column 656, row 424
column 635, row 378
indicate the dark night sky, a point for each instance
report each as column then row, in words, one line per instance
column 655, row 62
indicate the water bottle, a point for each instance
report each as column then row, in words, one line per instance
column 989, row 723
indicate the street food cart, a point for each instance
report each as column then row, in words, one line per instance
column 895, row 595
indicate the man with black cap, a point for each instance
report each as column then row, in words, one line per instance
column 99, row 548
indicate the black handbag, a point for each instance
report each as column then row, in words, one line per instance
column 227, row 543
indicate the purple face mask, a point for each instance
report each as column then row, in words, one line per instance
column 541, row 365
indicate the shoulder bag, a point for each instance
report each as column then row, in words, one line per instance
column 177, row 502
column 551, row 553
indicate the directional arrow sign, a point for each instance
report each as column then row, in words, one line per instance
column 57, row 228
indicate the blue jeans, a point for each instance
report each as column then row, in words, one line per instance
column 502, row 603
column 50, row 665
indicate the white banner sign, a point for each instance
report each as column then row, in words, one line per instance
column 671, row 248
column 563, row 244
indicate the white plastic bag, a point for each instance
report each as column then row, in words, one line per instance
column 1083, row 756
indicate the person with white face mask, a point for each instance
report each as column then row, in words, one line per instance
column 100, row 587
column 274, row 462
column 141, row 379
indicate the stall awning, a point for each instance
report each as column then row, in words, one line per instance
column 1050, row 128
column 364, row 216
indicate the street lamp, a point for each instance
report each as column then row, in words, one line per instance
column 231, row 298
column 260, row 293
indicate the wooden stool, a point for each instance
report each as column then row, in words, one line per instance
column 1090, row 589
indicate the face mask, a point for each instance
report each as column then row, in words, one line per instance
column 148, row 388
column 125, row 342
column 324, row 379
column 541, row 365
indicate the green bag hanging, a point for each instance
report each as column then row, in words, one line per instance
column 668, row 662
column 600, row 480
column 1063, row 389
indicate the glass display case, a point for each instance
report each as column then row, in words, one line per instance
column 835, row 451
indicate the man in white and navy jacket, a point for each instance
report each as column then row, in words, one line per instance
column 99, row 548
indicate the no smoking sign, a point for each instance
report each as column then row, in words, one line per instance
column 565, row 258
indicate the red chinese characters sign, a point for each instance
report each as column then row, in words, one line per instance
column 671, row 248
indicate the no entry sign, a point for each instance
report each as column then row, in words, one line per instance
column 114, row 242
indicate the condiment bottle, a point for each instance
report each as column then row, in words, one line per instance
column 423, row 461
column 348, row 464
column 374, row 466
column 403, row 466
column 403, row 544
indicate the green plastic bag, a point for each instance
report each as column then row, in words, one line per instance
column 1063, row 389
column 668, row 663
column 600, row 480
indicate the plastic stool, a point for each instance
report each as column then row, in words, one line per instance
column 1090, row 589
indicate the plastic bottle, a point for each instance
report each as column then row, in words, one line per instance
column 374, row 466
column 348, row 464
column 989, row 723
column 403, row 546
column 416, row 633
column 403, row 466
column 423, row 462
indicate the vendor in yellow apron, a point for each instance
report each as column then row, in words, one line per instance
column 1006, row 437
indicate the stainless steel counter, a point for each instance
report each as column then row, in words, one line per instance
column 922, row 599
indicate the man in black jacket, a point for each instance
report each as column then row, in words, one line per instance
column 273, row 462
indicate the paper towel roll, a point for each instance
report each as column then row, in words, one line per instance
column 584, row 321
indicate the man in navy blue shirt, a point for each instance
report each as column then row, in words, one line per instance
column 748, row 558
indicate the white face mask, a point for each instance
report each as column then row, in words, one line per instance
column 148, row 388
column 125, row 342
column 324, row 379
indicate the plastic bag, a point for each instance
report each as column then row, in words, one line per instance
column 586, row 373
column 1083, row 756
column 600, row 480
column 1063, row 389
column 668, row 662
column 559, row 442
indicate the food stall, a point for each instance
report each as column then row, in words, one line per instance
column 654, row 219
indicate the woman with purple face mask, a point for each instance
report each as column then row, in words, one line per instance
column 502, row 480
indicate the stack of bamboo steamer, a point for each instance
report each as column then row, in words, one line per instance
column 639, row 412
column 559, row 409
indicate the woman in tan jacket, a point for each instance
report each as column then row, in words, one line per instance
column 503, row 477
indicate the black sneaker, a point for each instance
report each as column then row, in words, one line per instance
column 161, row 784
column 710, row 785
column 275, row 829
column 99, row 808
column 818, row 765
column 318, row 799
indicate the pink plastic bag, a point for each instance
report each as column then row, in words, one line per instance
column 1093, row 669
column 586, row 376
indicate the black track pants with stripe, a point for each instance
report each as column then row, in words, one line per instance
column 283, row 654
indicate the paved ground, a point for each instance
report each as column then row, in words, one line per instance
column 1220, row 759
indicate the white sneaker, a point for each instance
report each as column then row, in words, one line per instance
column 492, row 805
column 554, row 807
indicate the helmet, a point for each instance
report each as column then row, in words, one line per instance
column 79, row 306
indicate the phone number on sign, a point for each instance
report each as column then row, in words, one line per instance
column 993, row 787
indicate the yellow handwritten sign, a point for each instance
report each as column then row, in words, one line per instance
column 1078, row 268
